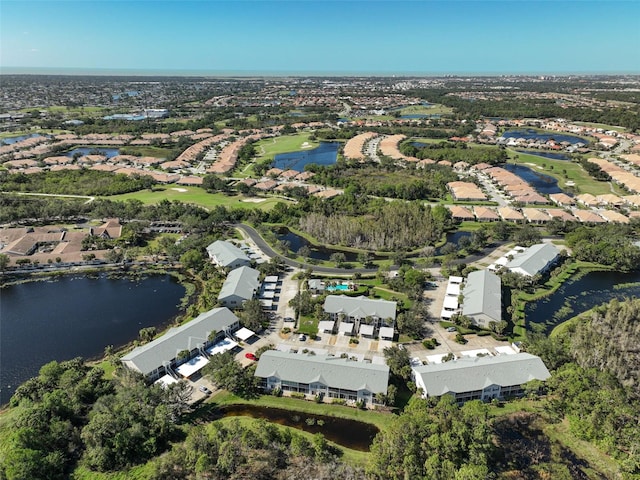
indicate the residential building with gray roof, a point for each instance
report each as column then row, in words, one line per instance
column 325, row 375
column 240, row 285
column 534, row 260
column 227, row 255
column 480, row 378
column 482, row 298
column 161, row 355
column 362, row 315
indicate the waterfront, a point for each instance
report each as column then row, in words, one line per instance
column 532, row 134
column 578, row 295
column 324, row 154
column 348, row 433
column 549, row 155
column 544, row 184
column 71, row 316
column 107, row 152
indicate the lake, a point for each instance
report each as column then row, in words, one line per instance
column 12, row 140
column 348, row 433
column 107, row 152
column 550, row 155
column 76, row 316
column 324, row 154
column 531, row 134
column 577, row 296
column 544, row 184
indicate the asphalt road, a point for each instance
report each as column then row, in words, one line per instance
column 270, row 252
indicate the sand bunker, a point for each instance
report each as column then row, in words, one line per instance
column 181, row 190
column 254, row 200
column 306, row 145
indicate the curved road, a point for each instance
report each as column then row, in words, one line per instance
column 270, row 252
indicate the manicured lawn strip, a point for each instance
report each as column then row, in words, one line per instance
column 584, row 183
column 308, row 325
column 381, row 420
column 21, row 133
column 198, row 196
column 270, row 147
column 147, row 151
column 139, row 472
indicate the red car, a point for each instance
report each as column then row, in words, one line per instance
column 250, row 356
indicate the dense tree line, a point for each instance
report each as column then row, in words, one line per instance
column 445, row 442
column 393, row 182
column 529, row 108
column 594, row 384
column 257, row 450
column 605, row 244
column 395, row 226
column 75, row 182
column 455, row 152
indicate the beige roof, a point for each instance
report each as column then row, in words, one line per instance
column 460, row 212
column 510, row 214
column 485, row 213
column 613, row 217
column 562, row 199
column 535, row 215
column 587, row 216
column 561, row 214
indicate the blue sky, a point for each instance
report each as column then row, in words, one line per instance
column 330, row 36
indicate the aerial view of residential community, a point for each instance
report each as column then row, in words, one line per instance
column 282, row 257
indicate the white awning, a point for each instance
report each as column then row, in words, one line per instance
column 194, row 365
column 453, row 289
column 269, row 286
column 475, row 353
column 269, row 294
column 326, row 325
column 346, row 327
column 450, row 303
column 222, row 346
column 366, row 329
column 266, row 303
column 244, row 334
column 386, row 332
column 165, row 381
column 271, row 279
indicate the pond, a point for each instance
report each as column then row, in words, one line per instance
column 324, row 154
column 453, row 238
column 318, row 253
column 576, row 296
column 107, row 152
column 544, row 184
column 12, row 140
column 532, row 134
column 71, row 316
column 550, row 155
column 348, row 433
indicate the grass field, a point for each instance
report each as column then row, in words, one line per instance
column 198, row 196
column 604, row 126
column 20, row 133
column 270, row 147
column 147, row 151
column 436, row 109
column 72, row 111
column 565, row 171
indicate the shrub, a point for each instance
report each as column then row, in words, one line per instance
column 338, row 401
column 297, row 395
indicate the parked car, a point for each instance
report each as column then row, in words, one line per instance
column 250, row 356
column 302, row 337
column 204, row 390
column 452, row 329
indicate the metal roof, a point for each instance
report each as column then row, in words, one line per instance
column 475, row 373
column 360, row 307
column 482, row 295
column 241, row 282
column 226, row 253
column 335, row 372
column 535, row 258
column 192, row 334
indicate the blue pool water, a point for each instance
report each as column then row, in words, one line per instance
column 340, row 288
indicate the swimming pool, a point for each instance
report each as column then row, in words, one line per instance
column 341, row 288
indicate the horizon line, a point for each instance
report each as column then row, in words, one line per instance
column 143, row 72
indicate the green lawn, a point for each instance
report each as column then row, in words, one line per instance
column 602, row 125
column 147, row 151
column 565, row 171
column 270, row 147
column 436, row 109
column 198, row 196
